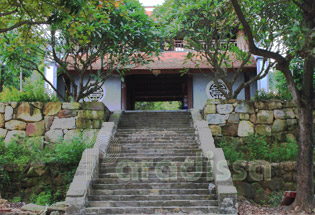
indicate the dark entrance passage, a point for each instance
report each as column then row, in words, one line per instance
column 163, row 87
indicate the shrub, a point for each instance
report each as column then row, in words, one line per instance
column 62, row 158
column 231, row 150
column 43, row 198
column 275, row 198
column 68, row 153
column 16, row 199
column 257, row 148
column 32, row 92
column 263, row 95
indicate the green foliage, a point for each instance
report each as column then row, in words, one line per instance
column 118, row 35
column 172, row 105
column 32, row 92
column 67, row 153
column 23, row 18
column 257, row 148
column 19, row 156
column 263, row 95
column 209, row 29
column 297, row 71
column 231, row 150
column 43, row 199
column 275, row 198
column 16, row 199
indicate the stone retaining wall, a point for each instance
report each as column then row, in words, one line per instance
column 30, row 181
column 51, row 121
column 238, row 118
column 256, row 181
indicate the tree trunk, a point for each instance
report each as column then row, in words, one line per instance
column 305, row 186
column 2, row 79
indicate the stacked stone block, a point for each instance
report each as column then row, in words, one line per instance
column 258, row 183
column 52, row 121
column 238, row 118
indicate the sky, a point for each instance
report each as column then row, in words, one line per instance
column 151, row 2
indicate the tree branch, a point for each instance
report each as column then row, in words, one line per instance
column 282, row 63
column 19, row 24
column 8, row 13
column 252, row 47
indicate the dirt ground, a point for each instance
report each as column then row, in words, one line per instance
column 247, row 208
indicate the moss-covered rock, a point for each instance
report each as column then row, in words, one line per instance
column 279, row 125
column 245, row 128
column 245, row 107
column 91, row 114
column 71, row 106
column 52, row 108
column 265, row 117
column 15, row 125
column 35, row 129
column 209, row 108
column 264, row 130
column 28, row 113
column 215, row 130
column 96, row 106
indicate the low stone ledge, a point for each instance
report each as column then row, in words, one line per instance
column 76, row 197
column 226, row 191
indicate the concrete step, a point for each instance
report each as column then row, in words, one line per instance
column 166, row 135
column 148, row 168
column 153, row 158
column 153, row 210
column 150, row 197
column 176, row 139
column 139, row 148
column 166, row 142
column 178, row 130
column 153, row 179
column 139, row 151
column 160, row 154
column 179, row 144
column 156, row 203
column 153, row 126
column 151, row 192
column 160, row 175
column 157, row 133
column 156, row 114
column 156, row 141
column 175, row 185
column 141, row 165
column 158, row 120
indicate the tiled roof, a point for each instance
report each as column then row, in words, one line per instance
column 176, row 60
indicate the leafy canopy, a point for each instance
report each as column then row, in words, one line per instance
column 209, row 28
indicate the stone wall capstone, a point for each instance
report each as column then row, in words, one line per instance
column 53, row 121
column 238, row 118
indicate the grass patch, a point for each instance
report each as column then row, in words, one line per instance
column 257, row 148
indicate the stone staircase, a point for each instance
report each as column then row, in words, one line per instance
column 156, row 168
